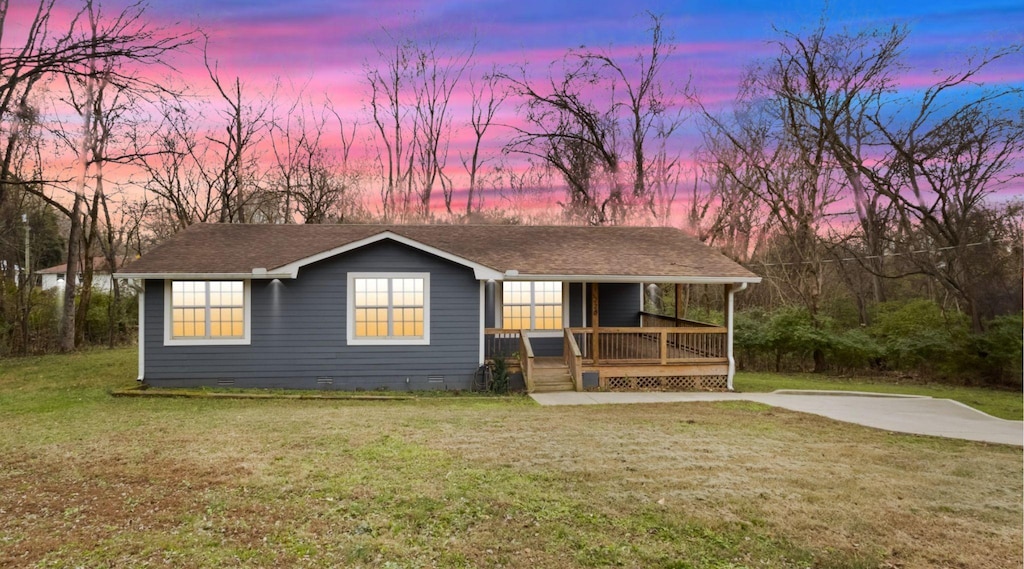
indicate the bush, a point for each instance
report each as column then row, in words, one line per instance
column 997, row 353
column 499, row 377
column 854, row 349
column 43, row 322
column 917, row 335
column 97, row 319
column 909, row 336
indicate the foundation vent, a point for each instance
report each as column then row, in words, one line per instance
column 324, row 381
column 225, row 382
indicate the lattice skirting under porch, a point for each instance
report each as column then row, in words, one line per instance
column 668, row 383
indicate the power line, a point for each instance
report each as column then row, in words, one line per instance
column 916, row 252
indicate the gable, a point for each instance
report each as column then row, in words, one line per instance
column 481, row 272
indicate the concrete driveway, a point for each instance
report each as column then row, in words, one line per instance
column 913, row 414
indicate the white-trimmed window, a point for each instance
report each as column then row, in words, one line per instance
column 534, row 305
column 207, row 312
column 389, row 308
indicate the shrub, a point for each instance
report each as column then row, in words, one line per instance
column 854, row 349
column 997, row 353
column 499, row 377
column 97, row 320
column 917, row 335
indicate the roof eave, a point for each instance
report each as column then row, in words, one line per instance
column 681, row 279
column 203, row 276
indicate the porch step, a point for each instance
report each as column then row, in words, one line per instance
column 551, row 374
column 550, row 383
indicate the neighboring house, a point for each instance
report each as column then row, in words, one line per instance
column 423, row 307
column 55, row 277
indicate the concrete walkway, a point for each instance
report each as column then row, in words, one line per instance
column 919, row 415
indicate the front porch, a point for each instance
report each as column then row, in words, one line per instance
column 663, row 353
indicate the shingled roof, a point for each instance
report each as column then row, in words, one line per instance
column 514, row 251
column 99, row 265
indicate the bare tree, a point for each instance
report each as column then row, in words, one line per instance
column 765, row 148
column 487, row 97
column 648, row 104
column 99, row 50
column 723, row 212
column 236, row 171
column 589, row 135
column 172, row 159
column 395, row 134
column 926, row 161
column 315, row 180
column 572, row 136
column 44, row 53
column 411, row 87
column 436, row 75
column 951, row 168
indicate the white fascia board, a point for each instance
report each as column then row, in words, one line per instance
column 632, row 279
column 204, row 276
column 482, row 272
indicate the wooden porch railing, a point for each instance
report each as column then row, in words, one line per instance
column 654, row 345
column 526, row 361
column 652, row 320
column 501, row 343
column 573, row 358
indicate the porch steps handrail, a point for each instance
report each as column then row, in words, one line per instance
column 526, row 360
column 573, row 358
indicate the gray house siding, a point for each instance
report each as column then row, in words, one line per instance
column 576, row 304
column 618, row 305
column 298, row 332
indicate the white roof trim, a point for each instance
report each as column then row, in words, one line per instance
column 202, row 276
column 288, row 272
column 631, row 279
column 482, row 272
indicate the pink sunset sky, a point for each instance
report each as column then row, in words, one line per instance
column 323, row 48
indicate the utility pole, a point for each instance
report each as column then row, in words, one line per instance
column 27, row 270
column 26, row 286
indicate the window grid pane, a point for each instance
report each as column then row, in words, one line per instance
column 389, row 307
column 207, row 309
column 532, row 305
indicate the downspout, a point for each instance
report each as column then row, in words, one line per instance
column 142, row 333
column 729, row 330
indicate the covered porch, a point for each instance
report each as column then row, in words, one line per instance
column 661, row 352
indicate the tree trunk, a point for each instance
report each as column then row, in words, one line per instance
column 67, row 320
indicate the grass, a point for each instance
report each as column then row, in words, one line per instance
column 1005, row 404
column 91, row 480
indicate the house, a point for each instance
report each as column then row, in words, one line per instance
column 423, row 307
column 55, row 277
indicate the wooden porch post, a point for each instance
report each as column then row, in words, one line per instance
column 594, row 353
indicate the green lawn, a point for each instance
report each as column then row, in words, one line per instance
column 90, row 480
column 1004, row 404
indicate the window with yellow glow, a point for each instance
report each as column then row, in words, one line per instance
column 532, row 305
column 207, row 310
column 389, row 307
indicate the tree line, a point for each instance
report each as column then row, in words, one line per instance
column 827, row 175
